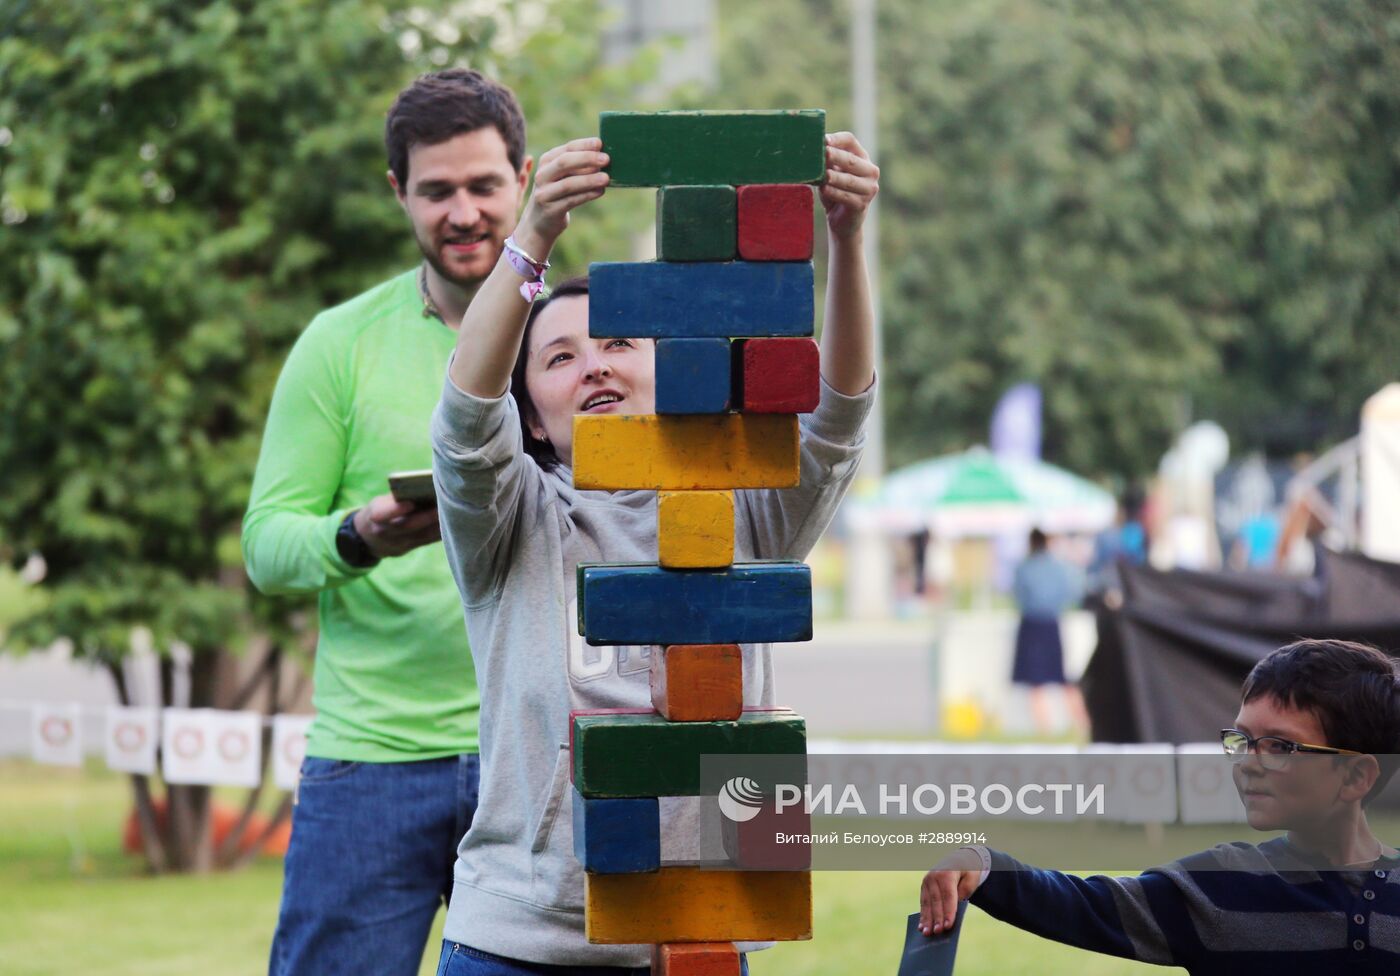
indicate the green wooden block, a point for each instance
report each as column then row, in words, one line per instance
column 696, row 223
column 703, row 148
column 625, row 755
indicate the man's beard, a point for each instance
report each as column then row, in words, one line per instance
column 468, row 282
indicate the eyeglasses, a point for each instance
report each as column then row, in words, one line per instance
column 1274, row 752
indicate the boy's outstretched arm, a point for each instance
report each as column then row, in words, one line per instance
column 954, row 880
column 1144, row 917
column 848, row 333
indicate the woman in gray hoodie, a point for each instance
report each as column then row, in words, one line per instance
column 515, row 528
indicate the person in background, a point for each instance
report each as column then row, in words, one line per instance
column 1123, row 541
column 389, row 785
column 1045, row 587
column 1257, row 544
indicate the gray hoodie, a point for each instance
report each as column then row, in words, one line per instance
column 514, row 535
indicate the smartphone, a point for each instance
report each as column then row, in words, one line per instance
column 413, row 486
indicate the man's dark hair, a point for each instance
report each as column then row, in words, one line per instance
column 1038, row 540
column 443, row 104
column 540, row 450
column 1352, row 688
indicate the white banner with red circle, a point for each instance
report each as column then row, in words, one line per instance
column 205, row 746
column 131, row 738
column 55, row 735
column 288, row 748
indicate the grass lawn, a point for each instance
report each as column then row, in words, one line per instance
column 70, row 901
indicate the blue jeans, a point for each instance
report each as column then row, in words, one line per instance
column 462, row 960
column 370, row 862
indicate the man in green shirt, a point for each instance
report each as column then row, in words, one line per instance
column 389, row 784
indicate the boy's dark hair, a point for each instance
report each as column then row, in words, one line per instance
column 1352, row 688
column 540, row 450
column 443, row 104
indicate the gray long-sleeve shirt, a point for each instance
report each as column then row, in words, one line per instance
column 514, row 535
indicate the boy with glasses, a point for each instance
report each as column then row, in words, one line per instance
column 1314, row 741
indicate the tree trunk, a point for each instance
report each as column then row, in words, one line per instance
column 284, row 810
column 204, row 675
column 179, row 839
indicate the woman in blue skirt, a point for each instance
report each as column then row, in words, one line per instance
column 1045, row 587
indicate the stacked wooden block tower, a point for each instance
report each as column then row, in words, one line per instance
column 730, row 304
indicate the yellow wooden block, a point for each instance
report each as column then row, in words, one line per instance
column 695, row 529
column 685, row 452
column 684, row 904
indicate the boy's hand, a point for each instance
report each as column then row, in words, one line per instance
column 852, row 181
column 954, row 879
column 568, row 175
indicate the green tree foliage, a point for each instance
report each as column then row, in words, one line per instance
column 183, row 185
column 1323, row 307
column 1149, row 208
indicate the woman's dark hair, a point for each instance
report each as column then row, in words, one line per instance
column 442, row 105
column 540, row 450
column 1352, row 688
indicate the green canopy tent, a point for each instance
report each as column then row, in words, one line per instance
column 974, row 493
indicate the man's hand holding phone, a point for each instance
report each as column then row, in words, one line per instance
column 391, row 527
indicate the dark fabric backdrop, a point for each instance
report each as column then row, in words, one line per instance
column 1171, row 659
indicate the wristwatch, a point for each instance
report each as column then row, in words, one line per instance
column 352, row 546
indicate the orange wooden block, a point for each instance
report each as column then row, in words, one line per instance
column 698, row 682
column 695, row 959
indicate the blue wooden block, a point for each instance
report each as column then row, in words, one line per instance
column 658, row 299
column 641, row 603
column 692, row 375
column 617, row 836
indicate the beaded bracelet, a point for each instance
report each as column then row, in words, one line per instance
column 528, row 268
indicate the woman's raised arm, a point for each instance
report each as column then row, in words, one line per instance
column 489, row 338
column 848, row 333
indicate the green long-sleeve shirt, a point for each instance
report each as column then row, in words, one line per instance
column 393, row 676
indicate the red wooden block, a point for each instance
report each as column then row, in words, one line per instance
column 780, row 375
column 754, row 846
column 775, row 222
column 695, row 959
